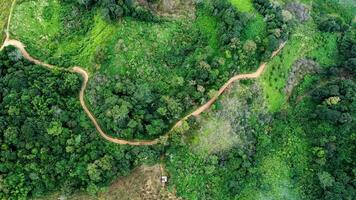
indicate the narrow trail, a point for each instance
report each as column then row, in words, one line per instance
column 254, row 75
column 85, row 75
column 7, row 30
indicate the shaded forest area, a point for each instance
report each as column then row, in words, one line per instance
column 47, row 142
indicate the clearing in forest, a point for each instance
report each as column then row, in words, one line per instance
column 142, row 183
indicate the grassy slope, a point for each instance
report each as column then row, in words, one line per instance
column 31, row 27
column 257, row 25
column 281, row 156
column 213, row 125
column 40, row 31
column 306, row 41
column 38, row 24
column 287, row 157
column 208, row 26
column 5, row 6
column 288, row 151
column 217, row 132
column 274, row 166
column 135, row 40
column 285, row 151
column 243, row 5
column 195, row 169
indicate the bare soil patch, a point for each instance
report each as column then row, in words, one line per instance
column 142, row 184
column 170, row 8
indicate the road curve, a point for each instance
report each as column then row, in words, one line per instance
column 254, row 75
column 85, row 75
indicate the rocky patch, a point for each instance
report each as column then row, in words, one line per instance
column 170, row 8
column 301, row 68
column 300, row 11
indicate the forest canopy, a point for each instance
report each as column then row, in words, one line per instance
column 287, row 134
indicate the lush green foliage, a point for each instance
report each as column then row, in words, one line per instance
column 306, row 152
column 47, row 142
column 157, row 92
column 147, row 75
column 257, row 142
column 113, row 10
column 217, row 152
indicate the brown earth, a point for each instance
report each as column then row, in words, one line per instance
column 142, row 184
column 170, row 8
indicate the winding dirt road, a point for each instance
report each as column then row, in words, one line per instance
column 254, row 75
column 85, row 75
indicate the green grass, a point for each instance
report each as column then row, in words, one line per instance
column 307, row 41
column 38, row 24
column 280, row 165
column 243, row 5
column 208, row 25
column 280, row 156
column 275, row 76
column 37, row 31
column 138, row 46
column 276, row 178
column 42, row 36
column 29, row 20
column 216, row 135
column 327, row 55
column 256, row 28
column 5, row 6
column 305, row 86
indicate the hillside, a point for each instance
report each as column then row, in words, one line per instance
column 231, row 99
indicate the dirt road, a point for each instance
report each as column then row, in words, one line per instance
column 254, row 75
column 85, row 75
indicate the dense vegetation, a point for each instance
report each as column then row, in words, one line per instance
column 277, row 27
column 216, row 153
column 289, row 135
column 147, row 74
column 304, row 152
column 149, row 99
column 329, row 121
column 112, row 10
column 307, row 149
column 47, row 142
